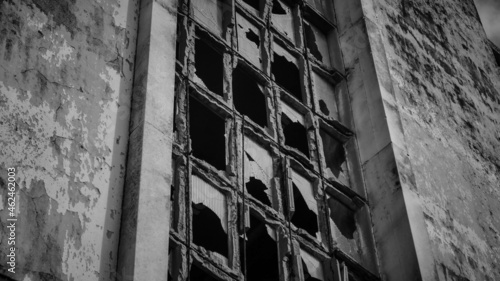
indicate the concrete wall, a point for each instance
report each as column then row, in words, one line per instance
column 66, row 71
column 446, row 87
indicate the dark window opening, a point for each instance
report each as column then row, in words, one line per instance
column 343, row 217
column 277, row 8
column 197, row 274
column 262, row 256
column 323, row 107
column 334, row 153
column 305, row 271
column 253, row 3
column 287, row 75
column 248, row 97
column 303, row 217
column 207, row 132
column 257, row 188
column 208, row 231
column 311, row 42
column 209, row 66
column 295, row 135
column 253, row 37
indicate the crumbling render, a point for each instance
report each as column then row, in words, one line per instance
column 282, row 19
column 209, row 66
column 294, row 131
column 207, row 133
column 305, row 215
column 261, row 258
column 285, row 71
column 312, row 268
column 259, row 171
column 209, row 213
column 248, row 96
column 249, row 41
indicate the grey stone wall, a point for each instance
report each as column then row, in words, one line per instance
column 66, row 70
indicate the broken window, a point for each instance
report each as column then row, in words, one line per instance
column 248, row 96
column 343, row 218
column 209, row 66
column 317, row 43
column 285, row 71
column 198, row 274
column 312, row 268
column 326, row 93
column 305, row 215
column 261, row 259
column 209, row 225
column 325, row 7
column 249, row 41
column 255, row 5
column 282, row 18
column 294, row 131
column 259, row 172
column 207, row 132
column 213, row 14
column 334, row 153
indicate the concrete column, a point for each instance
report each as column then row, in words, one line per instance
column 144, row 236
column 400, row 233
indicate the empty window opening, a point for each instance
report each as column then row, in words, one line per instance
column 323, row 6
column 312, row 268
column 197, row 274
column 259, row 166
column 293, row 129
column 333, row 152
column 343, row 217
column 207, row 132
column 303, row 217
column 261, row 257
column 209, row 67
column 248, row 96
column 249, row 41
column 209, row 217
column 282, row 19
column 253, row 3
column 257, row 190
column 286, row 74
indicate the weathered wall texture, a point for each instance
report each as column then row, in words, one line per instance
column 447, row 90
column 65, row 85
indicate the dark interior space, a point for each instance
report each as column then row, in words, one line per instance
column 208, row 231
column 295, row 135
column 303, row 217
column 334, row 153
column 277, row 8
column 305, row 271
column 248, row 98
column 343, row 217
column 311, row 42
column 207, row 131
column 197, row 274
column 253, row 3
column 261, row 253
column 209, row 66
column 252, row 36
column 256, row 189
column 287, row 75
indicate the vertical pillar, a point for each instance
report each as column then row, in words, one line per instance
column 144, row 235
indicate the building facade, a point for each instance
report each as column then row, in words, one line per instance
column 248, row 140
